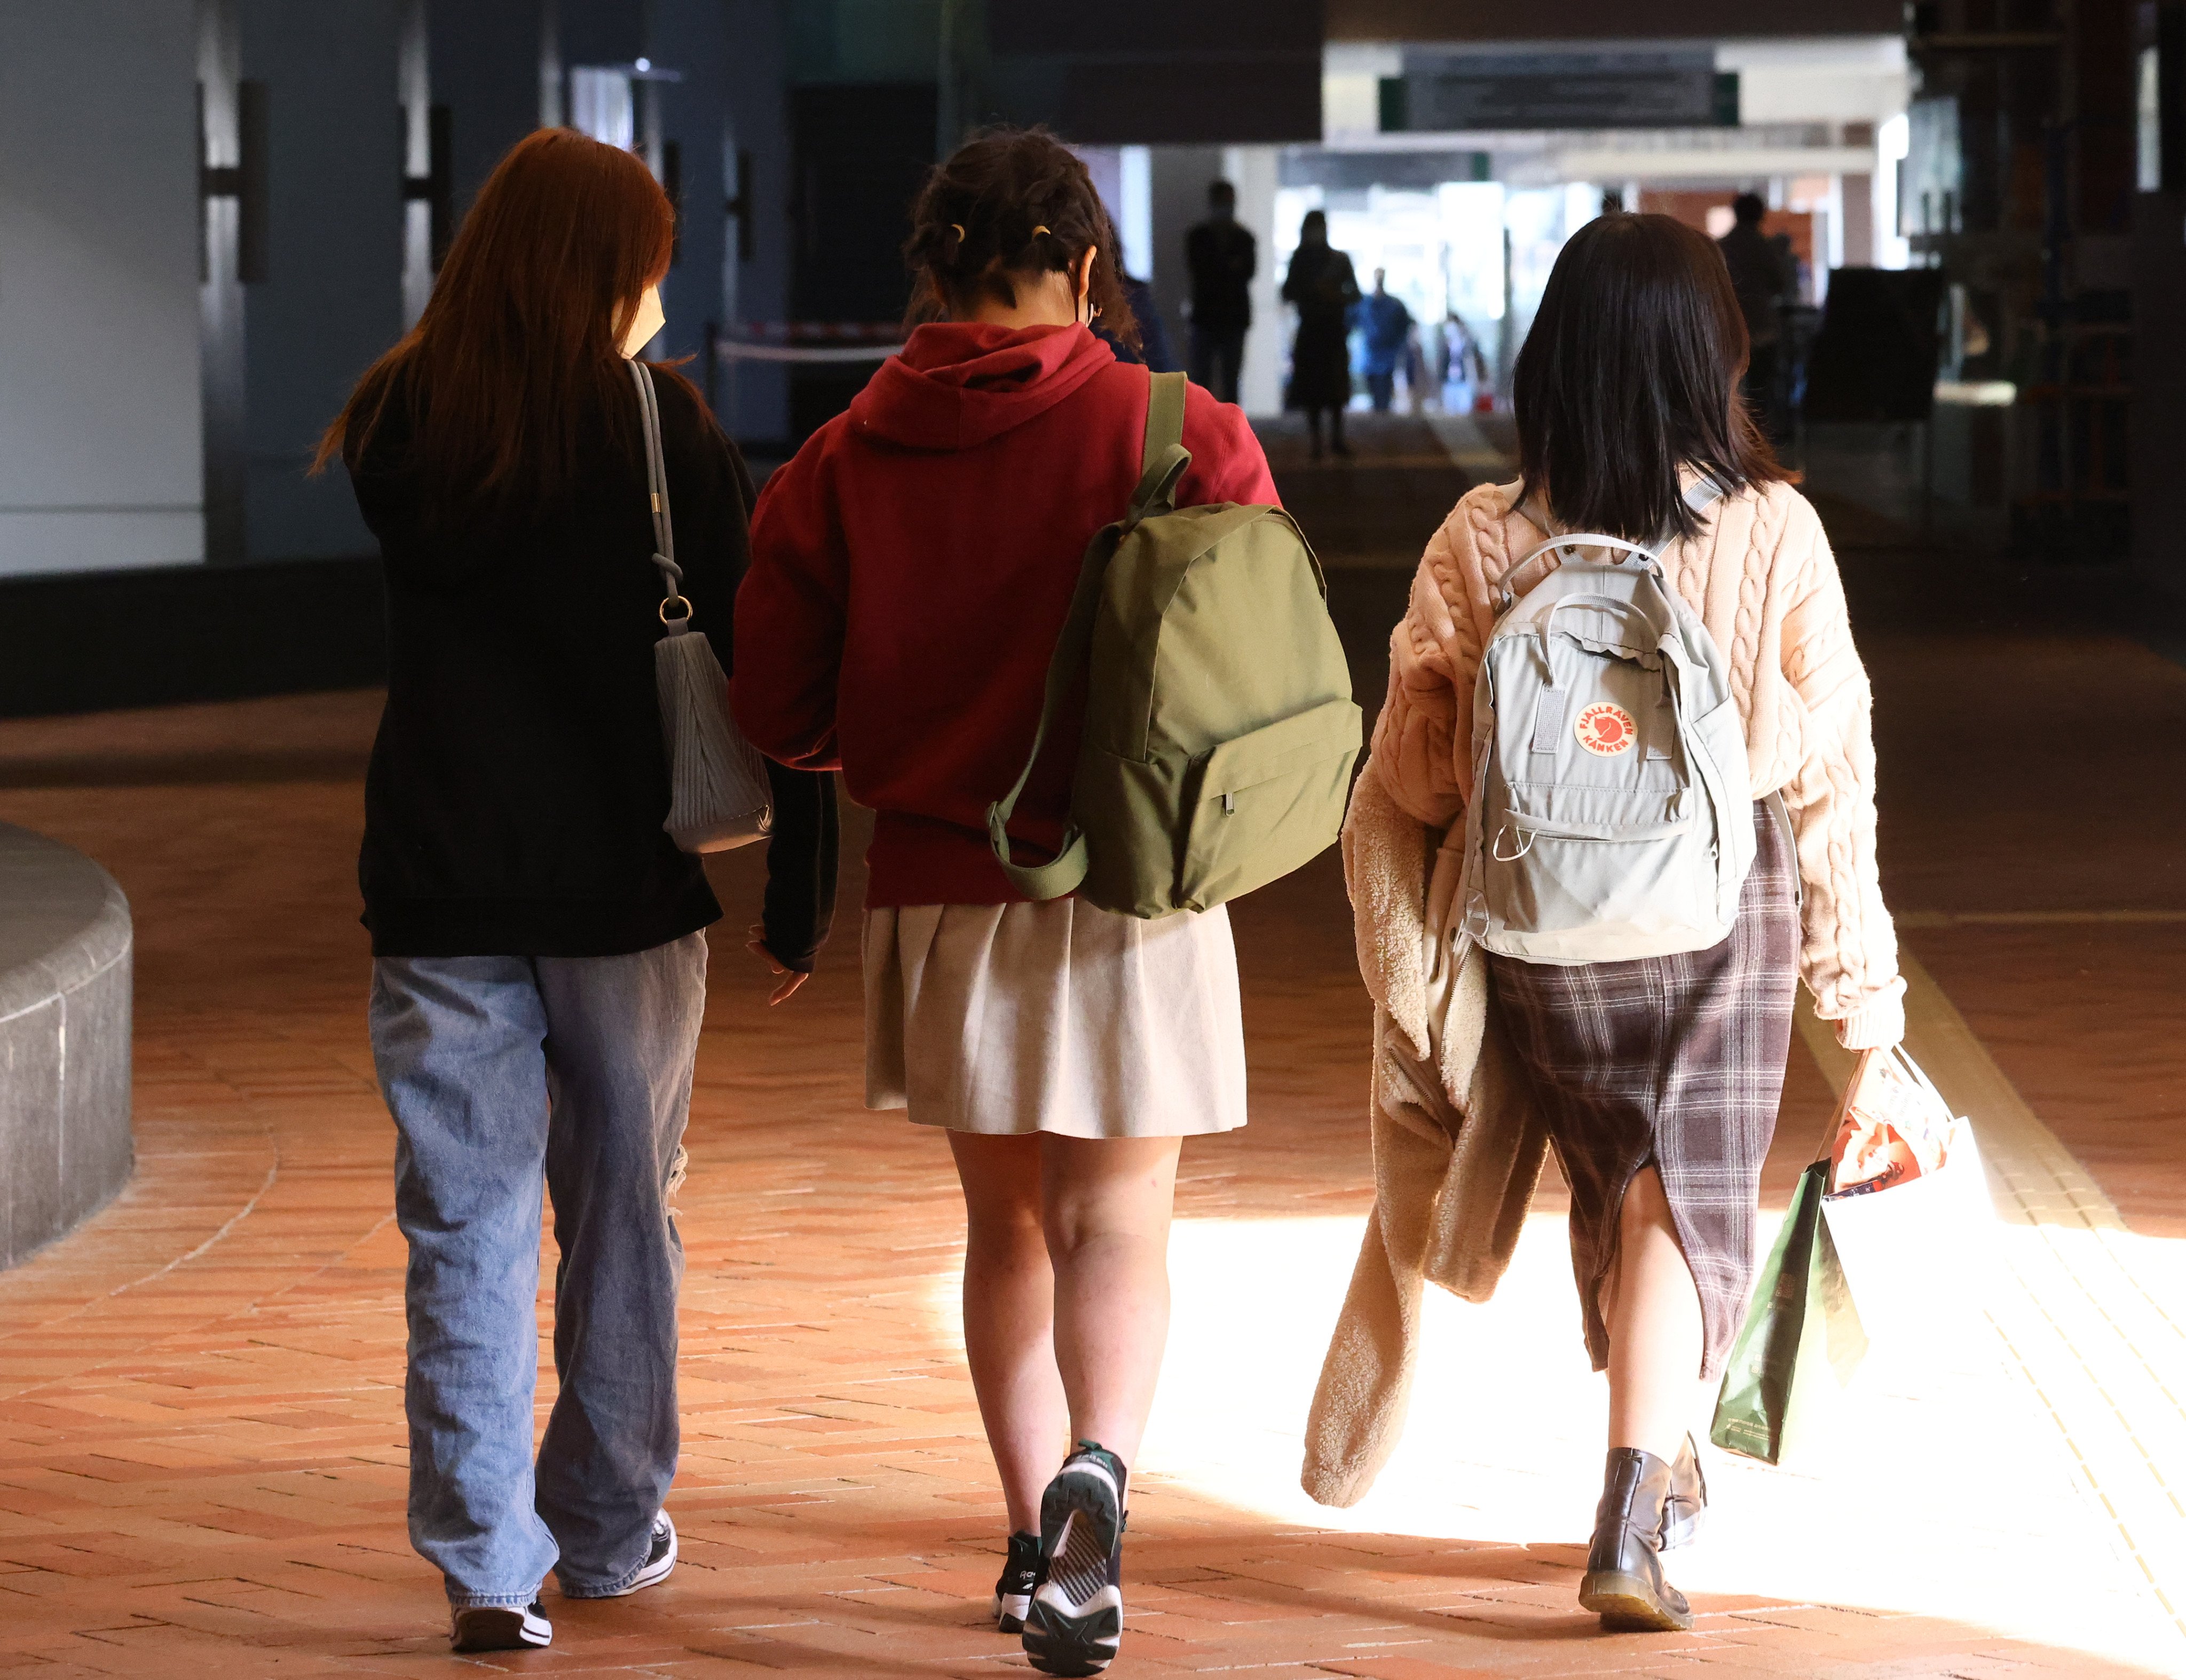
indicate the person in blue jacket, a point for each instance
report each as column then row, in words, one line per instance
column 1386, row 325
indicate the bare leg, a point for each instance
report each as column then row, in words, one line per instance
column 1009, row 1317
column 1653, row 1312
column 1107, row 1204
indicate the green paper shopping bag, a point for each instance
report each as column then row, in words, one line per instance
column 1801, row 1341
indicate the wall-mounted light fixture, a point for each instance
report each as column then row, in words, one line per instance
column 242, row 180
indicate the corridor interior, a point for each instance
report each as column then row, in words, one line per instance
column 201, row 1437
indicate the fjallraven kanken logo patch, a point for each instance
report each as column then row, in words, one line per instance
column 1606, row 729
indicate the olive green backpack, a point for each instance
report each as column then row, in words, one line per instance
column 1220, row 727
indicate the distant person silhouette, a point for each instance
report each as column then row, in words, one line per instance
column 1322, row 288
column 1386, row 326
column 1222, row 257
column 1762, row 276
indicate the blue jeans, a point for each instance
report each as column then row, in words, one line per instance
column 504, row 1074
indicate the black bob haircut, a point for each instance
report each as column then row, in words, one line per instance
column 1630, row 373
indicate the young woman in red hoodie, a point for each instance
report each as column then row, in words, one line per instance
column 910, row 571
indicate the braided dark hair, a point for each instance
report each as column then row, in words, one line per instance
column 1011, row 201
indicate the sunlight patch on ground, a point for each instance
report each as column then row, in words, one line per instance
column 1942, row 1488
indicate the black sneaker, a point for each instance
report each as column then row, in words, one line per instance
column 1020, row 1579
column 500, row 1627
column 1076, row 1617
column 659, row 1562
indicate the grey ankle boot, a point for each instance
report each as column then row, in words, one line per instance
column 1624, row 1584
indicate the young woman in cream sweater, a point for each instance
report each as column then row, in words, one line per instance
column 1660, row 1079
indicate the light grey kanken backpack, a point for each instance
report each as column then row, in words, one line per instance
column 1611, row 815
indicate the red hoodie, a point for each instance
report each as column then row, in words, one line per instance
column 910, row 571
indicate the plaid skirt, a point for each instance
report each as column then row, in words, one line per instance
column 1673, row 1062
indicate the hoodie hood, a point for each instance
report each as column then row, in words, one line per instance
column 959, row 384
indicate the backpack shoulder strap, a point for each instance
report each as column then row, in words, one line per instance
column 1162, row 459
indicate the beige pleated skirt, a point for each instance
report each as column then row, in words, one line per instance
column 1007, row 1019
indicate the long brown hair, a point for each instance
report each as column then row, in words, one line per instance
column 1630, row 373
column 518, row 350
column 1011, row 201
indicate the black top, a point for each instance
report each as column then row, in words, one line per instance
column 1763, row 273
column 1221, row 258
column 1322, row 285
column 517, row 785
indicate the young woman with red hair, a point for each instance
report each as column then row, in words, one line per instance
column 539, row 968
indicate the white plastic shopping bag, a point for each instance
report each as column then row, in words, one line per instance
column 1909, row 1215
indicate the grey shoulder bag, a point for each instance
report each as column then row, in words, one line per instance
column 721, row 798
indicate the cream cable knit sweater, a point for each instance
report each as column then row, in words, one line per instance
column 1761, row 575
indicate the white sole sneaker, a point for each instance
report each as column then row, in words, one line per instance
column 1076, row 1621
column 659, row 1562
column 500, row 1627
column 1020, row 1579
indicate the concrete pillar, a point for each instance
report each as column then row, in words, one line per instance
column 1178, row 176
column 100, row 448
column 691, row 38
column 1858, row 195
column 754, row 396
column 331, row 300
column 220, row 295
column 2159, row 396
column 485, row 61
column 1252, row 171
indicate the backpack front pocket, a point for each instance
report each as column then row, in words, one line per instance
column 1268, row 802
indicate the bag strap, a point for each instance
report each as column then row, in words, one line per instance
column 656, row 484
column 1161, row 463
column 1700, row 495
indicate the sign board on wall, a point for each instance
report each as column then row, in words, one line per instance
column 1606, row 20
column 1459, row 92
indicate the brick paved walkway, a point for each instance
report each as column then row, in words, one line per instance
column 201, row 1459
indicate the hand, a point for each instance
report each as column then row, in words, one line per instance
column 791, row 979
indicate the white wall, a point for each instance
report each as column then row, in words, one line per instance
column 1854, row 79
column 100, row 458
